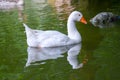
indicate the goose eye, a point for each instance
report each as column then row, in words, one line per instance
column 79, row 14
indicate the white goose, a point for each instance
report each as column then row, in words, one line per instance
column 51, row 38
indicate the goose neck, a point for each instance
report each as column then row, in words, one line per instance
column 72, row 30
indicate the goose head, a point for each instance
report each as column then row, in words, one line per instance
column 77, row 16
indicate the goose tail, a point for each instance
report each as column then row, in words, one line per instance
column 28, row 31
column 26, row 27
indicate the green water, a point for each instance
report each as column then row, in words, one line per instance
column 100, row 47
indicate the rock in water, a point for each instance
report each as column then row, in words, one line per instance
column 104, row 19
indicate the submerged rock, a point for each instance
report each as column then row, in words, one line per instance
column 104, row 19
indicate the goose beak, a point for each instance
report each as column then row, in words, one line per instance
column 83, row 20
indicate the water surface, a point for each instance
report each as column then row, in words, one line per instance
column 98, row 52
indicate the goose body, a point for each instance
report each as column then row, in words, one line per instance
column 52, row 38
column 104, row 19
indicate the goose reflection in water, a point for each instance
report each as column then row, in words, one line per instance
column 42, row 54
